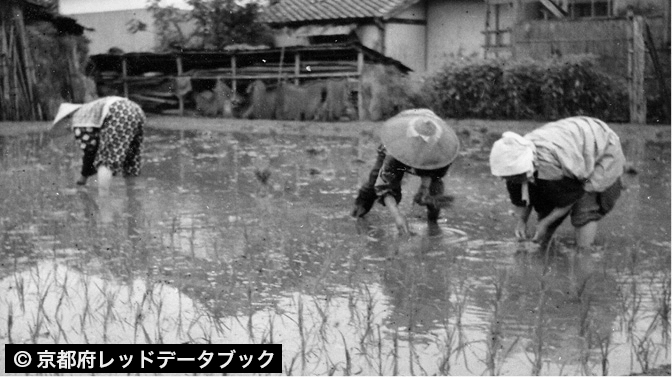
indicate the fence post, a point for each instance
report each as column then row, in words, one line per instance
column 234, row 82
column 636, row 65
column 297, row 67
column 124, row 75
column 180, row 97
column 360, row 86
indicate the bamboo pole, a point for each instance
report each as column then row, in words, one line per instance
column 666, row 38
column 636, row 65
column 297, row 67
column 73, row 68
column 124, row 75
column 4, row 67
column 17, row 89
column 28, row 67
column 12, row 77
column 23, row 99
column 282, row 60
column 234, row 82
column 660, row 77
column 360, row 94
column 486, row 50
column 180, row 97
column 498, row 36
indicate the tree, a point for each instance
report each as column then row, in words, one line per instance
column 209, row 24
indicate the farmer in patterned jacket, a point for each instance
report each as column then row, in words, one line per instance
column 110, row 132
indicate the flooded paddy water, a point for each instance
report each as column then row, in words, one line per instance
column 239, row 237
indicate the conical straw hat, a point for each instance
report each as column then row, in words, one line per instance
column 420, row 139
column 64, row 110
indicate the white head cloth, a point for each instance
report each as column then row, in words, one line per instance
column 512, row 155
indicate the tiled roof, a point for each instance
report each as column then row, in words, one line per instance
column 288, row 11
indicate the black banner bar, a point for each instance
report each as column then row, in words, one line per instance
column 143, row 358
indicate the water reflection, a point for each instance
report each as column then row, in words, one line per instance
column 200, row 248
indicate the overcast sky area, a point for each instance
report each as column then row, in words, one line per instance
column 89, row 6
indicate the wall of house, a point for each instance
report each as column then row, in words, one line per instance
column 284, row 37
column 645, row 7
column 454, row 30
column 70, row 7
column 111, row 30
column 417, row 11
column 406, row 41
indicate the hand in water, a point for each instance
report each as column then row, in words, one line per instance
column 402, row 226
column 521, row 230
column 540, row 233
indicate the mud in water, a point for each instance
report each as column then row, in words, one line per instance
column 235, row 237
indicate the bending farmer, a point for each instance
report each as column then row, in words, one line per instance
column 569, row 167
column 416, row 142
column 110, row 132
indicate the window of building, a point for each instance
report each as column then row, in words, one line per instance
column 589, row 8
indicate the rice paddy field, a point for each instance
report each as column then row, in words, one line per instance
column 242, row 236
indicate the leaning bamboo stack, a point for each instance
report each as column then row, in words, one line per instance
column 17, row 83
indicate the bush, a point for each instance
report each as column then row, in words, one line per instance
column 549, row 89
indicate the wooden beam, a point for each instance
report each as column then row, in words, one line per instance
column 487, row 31
column 550, row 5
column 180, row 97
column 658, row 68
column 498, row 36
column 234, row 82
column 26, row 57
column 5, row 108
column 636, row 65
column 360, row 96
column 124, row 75
column 297, row 67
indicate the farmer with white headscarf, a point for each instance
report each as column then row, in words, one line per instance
column 416, row 142
column 568, row 167
column 110, row 132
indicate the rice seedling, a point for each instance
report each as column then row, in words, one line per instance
column 540, row 318
column 604, row 344
column 10, row 323
column 287, row 267
column 395, row 353
column 302, row 335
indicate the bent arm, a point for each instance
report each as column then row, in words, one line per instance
column 391, row 204
column 542, row 226
column 522, row 214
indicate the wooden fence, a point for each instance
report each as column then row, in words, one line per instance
column 132, row 74
column 620, row 45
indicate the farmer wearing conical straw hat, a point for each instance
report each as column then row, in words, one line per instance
column 110, row 132
column 417, row 142
column 571, row 167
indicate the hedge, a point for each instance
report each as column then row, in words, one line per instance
column 505, row 89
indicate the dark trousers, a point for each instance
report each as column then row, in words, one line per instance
column 427, row 194
column 88, row 169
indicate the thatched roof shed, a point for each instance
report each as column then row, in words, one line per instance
column 20, row 66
